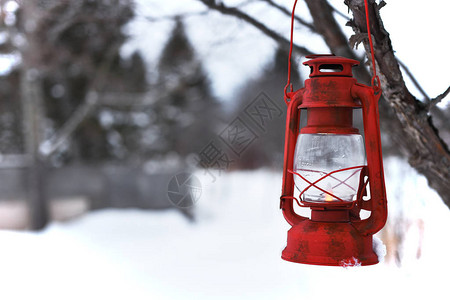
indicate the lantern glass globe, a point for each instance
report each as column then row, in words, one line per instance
column 316, row 155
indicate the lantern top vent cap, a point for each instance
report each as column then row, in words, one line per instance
column 330, row 65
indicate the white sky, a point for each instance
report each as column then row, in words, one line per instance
column 234, row 51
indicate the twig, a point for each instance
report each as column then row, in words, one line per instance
column 47, row 147
column 413, row 79
column 288, row 13
column 174, row 17
column 438, row 99
column 339, row 13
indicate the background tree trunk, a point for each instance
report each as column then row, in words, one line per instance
column 35, row 174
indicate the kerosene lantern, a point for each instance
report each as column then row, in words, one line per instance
column 332, row 166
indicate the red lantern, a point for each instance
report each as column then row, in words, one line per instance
column 325, row 160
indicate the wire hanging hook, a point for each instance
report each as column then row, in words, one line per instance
column 375, row 78
column 289, row 84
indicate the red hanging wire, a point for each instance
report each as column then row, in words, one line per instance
column 286, row 96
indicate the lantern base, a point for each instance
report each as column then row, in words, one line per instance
column 329, row 244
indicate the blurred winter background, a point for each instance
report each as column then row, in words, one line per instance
column 104, row 102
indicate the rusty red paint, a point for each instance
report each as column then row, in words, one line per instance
column 336, row 120
column 328, row 243
column 334, row 235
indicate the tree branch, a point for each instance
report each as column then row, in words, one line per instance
column 339, row 13
column 231, row 11
column 413, row 79
column 288, row 13
column 438, row 99
column 46, row 148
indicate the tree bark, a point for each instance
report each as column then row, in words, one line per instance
column 425, row 150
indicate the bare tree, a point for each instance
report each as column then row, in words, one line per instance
column 410, row 122
column 70, row 55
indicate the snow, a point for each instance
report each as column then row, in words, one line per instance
column 232, row 251
column 8, row 62
column 351, row 262
column 379, row 248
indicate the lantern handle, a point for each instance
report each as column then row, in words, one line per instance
column 376, row 84
column 292, row 130
column 369, row 100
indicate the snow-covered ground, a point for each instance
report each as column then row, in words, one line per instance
column 231, row 252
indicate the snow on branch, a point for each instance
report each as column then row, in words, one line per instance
column 47, row 147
